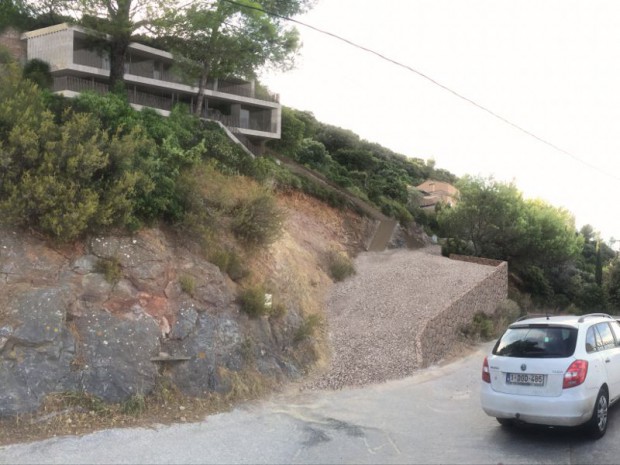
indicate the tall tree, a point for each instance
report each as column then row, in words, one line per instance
column 499, row 223
column 13, row 13
column 218, row 38
column 114, row 23
column 489, row 216
column 613, row 286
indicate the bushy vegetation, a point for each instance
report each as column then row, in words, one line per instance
column 561, row 268
column 188, row 284
column 339, row 265
column 367, row 170
column 484, row 327
column 256, row 301
column 110, row 269
column 308, row 328
column 72, row 167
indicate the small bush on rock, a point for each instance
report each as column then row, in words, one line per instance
column 308, row 328
column 258, row 222
column 340, row 266
column 110, row 268
column 135, row 405
column 252, row 301
column 188, row 284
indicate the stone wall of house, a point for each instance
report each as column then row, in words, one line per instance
column 438, row 337
column 10, row 39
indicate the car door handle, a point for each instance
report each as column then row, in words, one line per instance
column 607, row 360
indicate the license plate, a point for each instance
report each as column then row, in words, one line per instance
column 525, row 379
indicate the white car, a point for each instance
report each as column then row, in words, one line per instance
column 554, row 370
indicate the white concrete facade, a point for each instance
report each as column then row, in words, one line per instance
column 151, row 82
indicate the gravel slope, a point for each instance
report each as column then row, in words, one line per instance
column 373, row 317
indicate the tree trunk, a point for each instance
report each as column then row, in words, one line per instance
column 118, row 52
column 202, row 85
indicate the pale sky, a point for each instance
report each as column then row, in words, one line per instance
column 550, row 66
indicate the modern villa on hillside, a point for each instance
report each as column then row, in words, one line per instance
column 252, row 114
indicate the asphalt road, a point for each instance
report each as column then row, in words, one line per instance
column 431, row 417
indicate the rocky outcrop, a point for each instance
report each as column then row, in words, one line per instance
column 109, row 316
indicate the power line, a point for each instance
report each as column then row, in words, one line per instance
column 433, row 81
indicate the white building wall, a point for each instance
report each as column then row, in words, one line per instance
column 55, row 47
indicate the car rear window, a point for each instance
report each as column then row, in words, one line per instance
column 537, row 341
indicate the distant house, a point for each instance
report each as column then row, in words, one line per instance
column 252, row 115
column 437, row 192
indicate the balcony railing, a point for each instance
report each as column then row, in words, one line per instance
column 137, row 97
column 152, row 70
column 76, row 84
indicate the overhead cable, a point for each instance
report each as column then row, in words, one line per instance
column 433, row 81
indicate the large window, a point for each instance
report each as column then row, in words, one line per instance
column 537, row 341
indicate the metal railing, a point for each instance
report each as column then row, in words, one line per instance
column 234, row 124
column 76, row 84
column 149, row 100
column 149, row 69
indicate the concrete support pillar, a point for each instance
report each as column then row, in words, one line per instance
column 276, row 119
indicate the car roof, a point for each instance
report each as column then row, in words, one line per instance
column 566, row 320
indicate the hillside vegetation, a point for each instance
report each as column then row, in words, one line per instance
column 73, row 167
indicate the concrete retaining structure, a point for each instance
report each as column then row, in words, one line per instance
column 437, row 338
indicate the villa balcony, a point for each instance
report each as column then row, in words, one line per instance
column 254, row 121
column 151, row 68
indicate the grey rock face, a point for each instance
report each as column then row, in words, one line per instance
column 215, row 341
column 65, row 328
column 115, row 355
column 37, row 351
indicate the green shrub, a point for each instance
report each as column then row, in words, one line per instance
column 259, row 221
column 135, row 405
column 278, row 310
column 340, row 266
column 481, row 327
column 455, row 246
column 485, row 327
column 506, row 313
column 229, row 262
column 308, row 328
column 38, row 71
column 188, row 284
column 247, row 350
column 110, row 268
column 252, row 300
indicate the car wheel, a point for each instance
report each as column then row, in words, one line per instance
column 597, row 426
column 505, row 421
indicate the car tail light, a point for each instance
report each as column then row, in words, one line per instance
column 486, row 374
column 576, row 374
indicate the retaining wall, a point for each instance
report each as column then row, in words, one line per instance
column 437, row 338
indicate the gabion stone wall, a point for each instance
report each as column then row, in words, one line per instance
column 437, row 338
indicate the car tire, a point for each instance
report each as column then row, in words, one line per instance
column 506, row 422
column 597, row 425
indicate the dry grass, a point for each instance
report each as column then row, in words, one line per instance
column 74, row 414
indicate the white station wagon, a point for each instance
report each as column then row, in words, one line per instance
column 554, row 370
